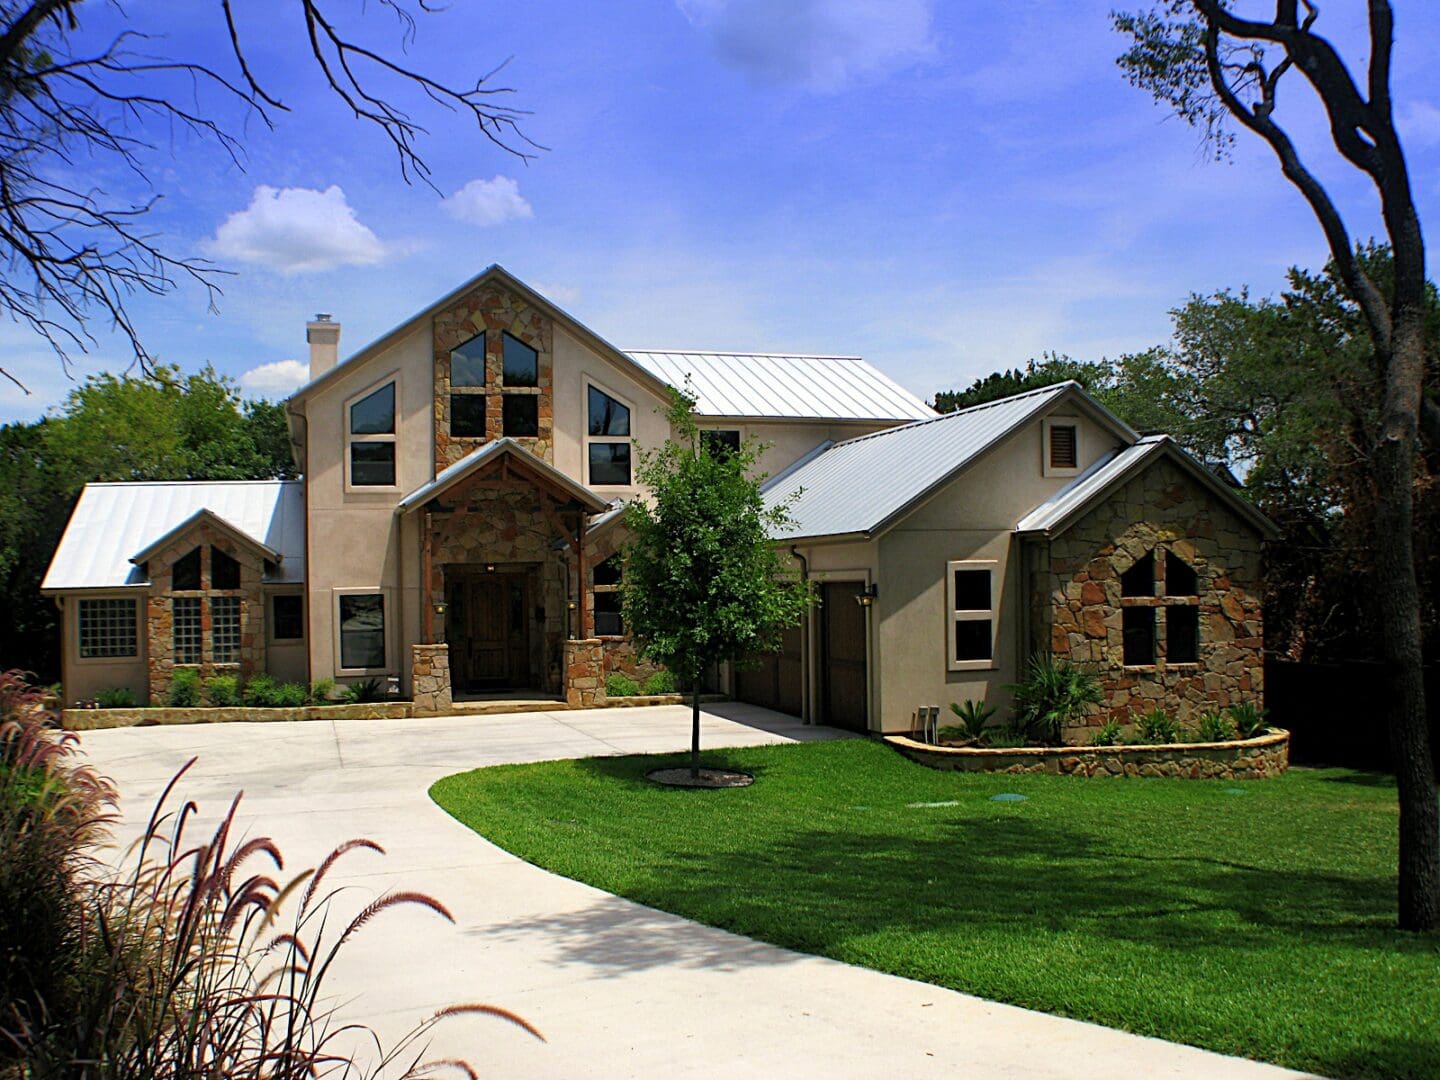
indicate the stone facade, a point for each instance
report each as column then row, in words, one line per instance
column 430, row 679
column 494, row 311
column 160, row 610
column 1162, row 509
column 584, row 681
column 1250, row 759
column 509, row 530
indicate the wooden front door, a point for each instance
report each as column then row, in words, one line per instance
column 489, row 633
column 843, row 701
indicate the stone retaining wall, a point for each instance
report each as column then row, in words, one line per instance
column 1246, row 759
column 97, row 719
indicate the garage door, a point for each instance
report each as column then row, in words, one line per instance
column 775, row 682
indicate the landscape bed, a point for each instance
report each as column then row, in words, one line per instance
column 1250, row 918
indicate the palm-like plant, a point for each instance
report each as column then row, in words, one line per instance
column 1051, row 695
column 973, row 716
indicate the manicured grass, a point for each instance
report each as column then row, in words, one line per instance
column 1257, row 924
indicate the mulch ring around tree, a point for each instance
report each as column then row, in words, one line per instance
column 708, row 778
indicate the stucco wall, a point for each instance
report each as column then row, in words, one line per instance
column 972, row 518
column 1163, row 506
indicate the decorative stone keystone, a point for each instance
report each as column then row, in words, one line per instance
column 430, row 679
column 584, row 681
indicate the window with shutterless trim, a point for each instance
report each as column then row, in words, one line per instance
column 107, row 629
column 607, row 438
column 970, row 624
column 362, row 631
column 370, row 435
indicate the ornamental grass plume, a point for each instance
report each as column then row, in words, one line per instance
column 180, row 966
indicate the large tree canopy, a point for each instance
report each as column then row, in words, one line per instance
column 71, row 108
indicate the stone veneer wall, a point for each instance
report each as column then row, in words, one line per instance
column 584, row 682
column 160, row 615
column 1252, row 759
column 1161, row 506
column 510, row 530
column 495, row 311
column 430, row 679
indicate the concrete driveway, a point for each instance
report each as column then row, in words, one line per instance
column 618, row 989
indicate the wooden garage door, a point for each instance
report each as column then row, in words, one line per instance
column 775, row 683
column 842, row 656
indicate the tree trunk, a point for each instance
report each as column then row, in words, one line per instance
column 1398, row 596
column 695, row 728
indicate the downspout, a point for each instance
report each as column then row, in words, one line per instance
column 804, row 642
column 303, row 464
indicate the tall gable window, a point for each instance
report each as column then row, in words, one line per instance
column 1161, row 585
column 467, row 362
column 224, row 571
column 107, row 629
column 970, row 596
column 607, row 438
column 467, row 388
column 185, row 574
column 521, row 363
column 371, row 437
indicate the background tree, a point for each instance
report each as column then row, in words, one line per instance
column 70, row 109
column 1213, row 66
column 166, row 426
column 703, row 583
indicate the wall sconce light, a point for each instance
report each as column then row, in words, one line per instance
column 440, row 607
column 868, row 595
column 571, row 605
column 490, row 568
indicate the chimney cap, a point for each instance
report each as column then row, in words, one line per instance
column 322, row 316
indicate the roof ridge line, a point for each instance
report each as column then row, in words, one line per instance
column 186, row 483
column 960, row 412
column 731, row 352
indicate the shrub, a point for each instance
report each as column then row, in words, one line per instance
column 117, row 697
column 973, row 716
column 1112, row 734
column 1005, row 738
column 259, row 691
column 1249, row 720
column 1051, row 695
column 364, row 692
column 1157, row 727
column 222, row 691
column 184, row 688
column 618, row 684
column 659, row 682
column 322, row 691
column 1215, row 726
column 263, row 692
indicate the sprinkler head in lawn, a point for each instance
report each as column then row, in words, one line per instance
column 1008, row 796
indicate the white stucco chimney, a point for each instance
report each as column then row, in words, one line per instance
column 323, row 335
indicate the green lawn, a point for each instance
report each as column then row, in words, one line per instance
column 1256, row 923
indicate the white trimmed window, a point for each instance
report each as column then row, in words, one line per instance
column 607, row 438
column 370, row 437
column 970, row 627
column 1061, row 448
column 107, row 629
column 361, row 630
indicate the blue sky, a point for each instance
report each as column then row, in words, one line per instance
column 946, row 189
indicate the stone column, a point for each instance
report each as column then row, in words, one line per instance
column 584, row 678
column 430, row 679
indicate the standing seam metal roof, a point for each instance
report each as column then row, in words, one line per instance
column 113, row 522
column 784, row 385
column 858, row 485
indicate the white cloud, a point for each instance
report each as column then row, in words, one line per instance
column 489, row 202
column 1420, row 123
column 295, row 230
column 821, row 44
column 275, row 380
column 558, row 294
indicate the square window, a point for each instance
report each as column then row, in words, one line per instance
column 972, row 590
column 972, row 639
column 467, row 415
column 185, row 574
column 521, row 414
column 224, row 571
column 522, row 363
column 372, row 464
column 467, row 363
column 287, row 621
column 1182, row 634
column 107, row 628
column 362, row 631
column 225, row 629
column 185, row 626
column 1138, row 624
column 610, row 463
column 608, row 619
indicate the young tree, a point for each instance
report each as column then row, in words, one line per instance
column 1213, row 66
column 703, row 582
column 72, row 109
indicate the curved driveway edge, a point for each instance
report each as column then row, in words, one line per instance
column 619, row 989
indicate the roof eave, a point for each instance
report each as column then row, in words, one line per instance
column 206, row 515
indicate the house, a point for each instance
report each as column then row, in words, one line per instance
column 464, row 474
